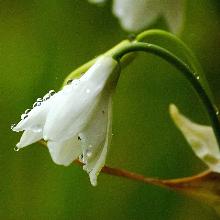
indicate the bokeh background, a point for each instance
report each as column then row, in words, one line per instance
column 40, row 43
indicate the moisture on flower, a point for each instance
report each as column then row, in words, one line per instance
column 76, row 121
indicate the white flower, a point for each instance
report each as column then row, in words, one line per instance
column 136, row 15
column 76, row 121
column 201, row 138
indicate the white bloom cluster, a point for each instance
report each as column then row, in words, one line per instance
column 76, row 121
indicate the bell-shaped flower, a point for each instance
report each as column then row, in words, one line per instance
column 200, row 137
column 76, row 121
column 136, row 15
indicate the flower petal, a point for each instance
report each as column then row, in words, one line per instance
column 201, row 138
column 173, row 12
column 35, row 119
column 136, row 15
column 96, row 139
column 71, row 114
column 64, row 153
column 29, row 137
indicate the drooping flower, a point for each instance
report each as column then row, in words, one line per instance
column 76, row 121
column 136, row 15
column 200, row 137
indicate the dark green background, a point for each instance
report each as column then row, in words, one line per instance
column 40, row 43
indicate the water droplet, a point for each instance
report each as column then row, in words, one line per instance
column 12, row 126
column 87, row 90
column 36, row 104
column 69, row 81
column 16, row 149
column 197, row 76
column 89, row 154
column 23, row 116
column 27, row 111
column 52, row 92
column 39, row 100
column 90, row 146
column 46, row 97
column 216, row 110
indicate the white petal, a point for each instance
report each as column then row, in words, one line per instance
column 135, row 15
column 29, row 137
column 72, row 112
column 64, row 153
column 35, row 120
column 173, row 12
column 201, row 138
column 96, row 139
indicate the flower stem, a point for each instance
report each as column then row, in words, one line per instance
column 190, row 75
column 172, row 40
column 185, row 184
column 178, row 183
column 175, row 45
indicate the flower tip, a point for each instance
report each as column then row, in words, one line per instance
column 174, row 112
column 93, row 179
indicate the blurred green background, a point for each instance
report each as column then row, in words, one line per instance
column 40, row 43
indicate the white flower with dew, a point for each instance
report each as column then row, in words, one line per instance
column 136, row 15
column 76, row 121
column 200, row 137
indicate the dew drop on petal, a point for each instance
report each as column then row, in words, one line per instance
column 89, row 154
column 46, row 97
column 69, row 81
column 27, row 111
column 52, row 92
column 16, row 149
column 23, row 116
column 39, row 100
column 87, row 90
column 12, row 126
column 36, row 104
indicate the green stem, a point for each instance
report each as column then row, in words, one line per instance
column 190, row 75
column 175, row 45
column 172, row 39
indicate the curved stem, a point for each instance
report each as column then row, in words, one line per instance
column 190, row 75
column 172, row 43
column 183, row 183
column 167, row 36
